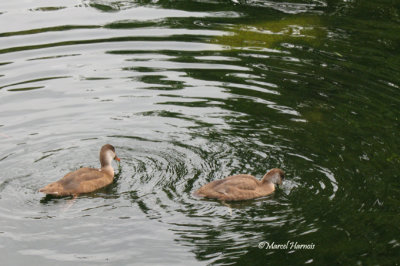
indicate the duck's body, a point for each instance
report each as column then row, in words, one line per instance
column 85, row 180
column 241, row 187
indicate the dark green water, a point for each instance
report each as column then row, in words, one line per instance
column 193, row 91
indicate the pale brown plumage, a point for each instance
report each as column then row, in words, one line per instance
column 85, row 180
column 241, row 187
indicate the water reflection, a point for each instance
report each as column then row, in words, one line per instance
column 289, row 32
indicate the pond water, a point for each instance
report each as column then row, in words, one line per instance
column 193, row 91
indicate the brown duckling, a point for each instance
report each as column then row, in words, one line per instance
column 242, row 187
column 85, row 180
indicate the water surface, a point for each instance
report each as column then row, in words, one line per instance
column 189, row 92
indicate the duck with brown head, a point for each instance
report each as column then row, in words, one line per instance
column 85, row 180
column 242, row 187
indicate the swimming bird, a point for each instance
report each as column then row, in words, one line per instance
column 242, row 187
column 85, row 180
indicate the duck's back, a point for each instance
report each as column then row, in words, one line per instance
column 83, row 180
column 237, row 187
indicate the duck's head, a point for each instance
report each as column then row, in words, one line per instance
column 107, row 154
column 274, row 176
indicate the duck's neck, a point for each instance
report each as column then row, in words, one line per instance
column 106, row 159
column 109, row 170
column 272, row 178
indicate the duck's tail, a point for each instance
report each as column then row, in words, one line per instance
column 51, row 189
column 198, row 193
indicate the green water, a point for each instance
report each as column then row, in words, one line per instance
column 193, row 91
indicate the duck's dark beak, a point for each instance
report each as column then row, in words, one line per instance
column 117, row 159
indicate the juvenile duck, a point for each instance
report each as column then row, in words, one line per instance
column 85, row 180
column 241, row 187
